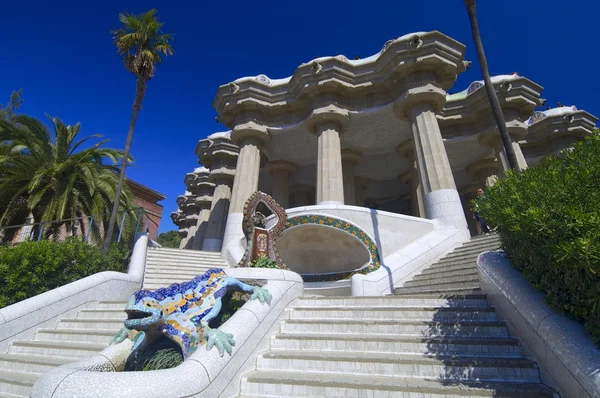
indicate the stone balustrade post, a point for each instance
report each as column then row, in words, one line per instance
column 327, row 123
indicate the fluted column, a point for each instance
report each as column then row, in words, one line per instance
column 350, row 158
column 251, row 138
column 418, row 105
column 303, row 195
column 406, row 151
column 219, row 207
column 280, row 171
column 517, row 131
column 327, row 123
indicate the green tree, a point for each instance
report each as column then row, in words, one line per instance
column 9, row 111
column 48, row 175
column 169, row 239
column 489, row 87
column 141, row 43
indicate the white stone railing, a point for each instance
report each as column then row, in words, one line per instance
column 560, row 346
column 23, row 318
column 204, row 373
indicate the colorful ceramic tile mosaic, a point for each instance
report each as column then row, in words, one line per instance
column 347, row 227
column 182, row 312
column 271, row 234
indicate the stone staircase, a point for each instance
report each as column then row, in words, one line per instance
column 72, row 339
column 436, row 337
column 165, row 266
column 89, row 331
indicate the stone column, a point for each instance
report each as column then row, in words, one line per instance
column 199, row 185
column 303, row 195
column 361, row 184
column 485, row 171
column 281, row 171
column 202, row 224
column 350, row 158
column 328, row 123
column 467, row 195
column 219, row 207
column 517, row 131
column 418, row 105
column 406, row 151
column 251, row 138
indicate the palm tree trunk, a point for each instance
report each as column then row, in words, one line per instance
column 140, row 92
column 489, row 88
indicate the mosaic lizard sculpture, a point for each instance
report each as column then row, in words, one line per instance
column 182, row 312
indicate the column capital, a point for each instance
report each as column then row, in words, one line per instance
column 351, row 155
column 483, row 168
column 328, row 114
column 420, row 88
column 516, row 130
column 283, row 165
column 222, row 173
column 251, row 131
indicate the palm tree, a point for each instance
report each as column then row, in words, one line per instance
column 489, row 87
column 141, row 43
column 49, row 175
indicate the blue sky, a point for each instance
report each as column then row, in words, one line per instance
column 62, row 56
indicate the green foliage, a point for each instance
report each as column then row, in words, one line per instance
column 548, row 218
column 141, row 42
column 8, row 112
column 47, row 173
column 264, row 262
column 169, row 239
column 31, row 268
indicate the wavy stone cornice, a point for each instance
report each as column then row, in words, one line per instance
column 339, row 79
column 558, row 130
column 217, row 145
column 515, row 93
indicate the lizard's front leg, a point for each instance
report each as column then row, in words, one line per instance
column 215, row 337
column 263, row 295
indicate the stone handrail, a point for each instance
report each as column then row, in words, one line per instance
column 204, row 373
column 560, row 345
column 34, row 311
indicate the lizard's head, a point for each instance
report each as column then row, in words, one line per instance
column 142, row 311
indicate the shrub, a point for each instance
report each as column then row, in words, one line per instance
column 31, row 268
column 265, row 262
column 548, row 218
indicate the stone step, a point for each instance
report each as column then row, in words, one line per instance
column 443, row 263
column 474, row 278
column 381, row 343
column 92, row 323
column 397, row 327
column 166, row 280
column 440, row 287
column 399, row 313
column 493, row 243
column 95, row 335
column 111, row 305
column 102, row 314
column 270, row 384
column 8, row 395
column 177, row 269
column 402, row 365
column 444, row 275
column 183, row 251
column 31, row 363
column 185, row 261
column 467, row 253
column 399, row 291
column 154, row 255
column 412, row 301
column 189, row 272
column 451, row 270
column 56, row 348
column 17, row 383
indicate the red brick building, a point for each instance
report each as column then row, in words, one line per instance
column 147, row 199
